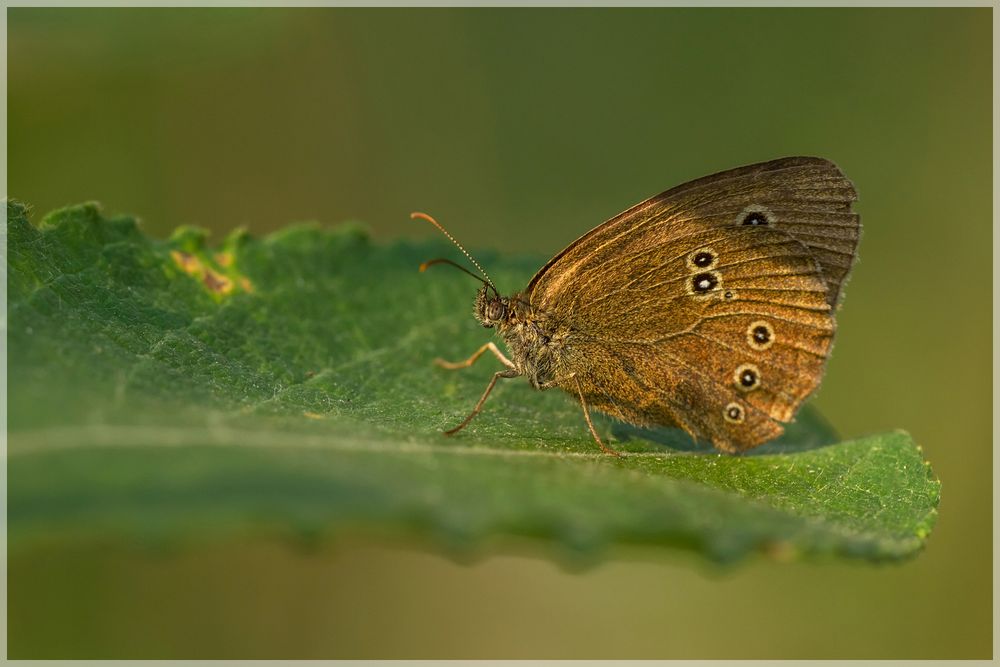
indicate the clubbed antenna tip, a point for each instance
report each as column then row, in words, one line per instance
column 423, row 216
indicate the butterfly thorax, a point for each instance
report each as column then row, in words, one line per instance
column 535, row 345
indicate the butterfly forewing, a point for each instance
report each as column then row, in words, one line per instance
column 808, row 198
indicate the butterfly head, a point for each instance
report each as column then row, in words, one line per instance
column 491, row 308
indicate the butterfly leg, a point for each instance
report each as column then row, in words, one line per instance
column 509, row 373
column 590, row 424
column 454, row 365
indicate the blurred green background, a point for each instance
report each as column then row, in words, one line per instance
column 520, row 129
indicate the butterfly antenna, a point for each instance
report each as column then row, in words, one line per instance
column 442, row 260
column 424, row 216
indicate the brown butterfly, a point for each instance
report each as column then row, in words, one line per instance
column 709, row 307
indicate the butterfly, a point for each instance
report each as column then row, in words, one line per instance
column 709, row 307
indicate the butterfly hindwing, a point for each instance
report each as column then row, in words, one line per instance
column 723, row 362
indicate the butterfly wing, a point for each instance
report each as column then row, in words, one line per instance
column 725, row 351
column 719, row 327
column 806, row 197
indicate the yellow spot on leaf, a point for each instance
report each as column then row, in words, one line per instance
column 215, row 272
column 217, row 283
column 187, row 262
column 312, row 415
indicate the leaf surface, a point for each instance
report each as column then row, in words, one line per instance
column 172, row 391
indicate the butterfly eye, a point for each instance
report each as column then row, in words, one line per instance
column 733, row 413
column 495, row 310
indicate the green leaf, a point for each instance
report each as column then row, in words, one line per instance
column 168, row 391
